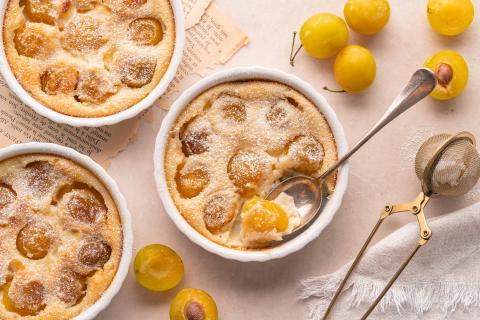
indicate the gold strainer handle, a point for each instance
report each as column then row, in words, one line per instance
column 416, row 208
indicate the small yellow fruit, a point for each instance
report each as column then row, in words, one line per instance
column 193, row 304
column 450, row 17
column 354, row 68
column 158, row 268
column 324, row 35
column 452, row 74
column 367, row 16
column 264, row 216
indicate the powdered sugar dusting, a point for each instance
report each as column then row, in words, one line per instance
column 70, row 287
column 220, row 210
column 247, row 135
column 307, row 154
column 196, row 136
column 95, row 86
column 7, row 203
column 408, row 149
column 85, row 33
column 80, row 34
column 137, row 70
column 248, row 169
column 54, row 236
column 30, row 296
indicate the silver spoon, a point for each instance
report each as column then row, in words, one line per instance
column 307, row 192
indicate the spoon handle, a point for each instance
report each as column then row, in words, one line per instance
column 422, row 82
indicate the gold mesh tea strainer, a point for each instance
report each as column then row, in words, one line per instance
column 447, row 165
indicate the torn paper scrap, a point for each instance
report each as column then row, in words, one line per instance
column 212, row 41
column 194, row 10
column 19, row 124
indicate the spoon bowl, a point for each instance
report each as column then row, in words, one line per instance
column 306, row 192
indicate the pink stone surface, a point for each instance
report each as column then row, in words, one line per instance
column 382, row 172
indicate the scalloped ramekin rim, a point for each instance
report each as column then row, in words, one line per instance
column 125, row 260
column 126, row 114
column 246, row 73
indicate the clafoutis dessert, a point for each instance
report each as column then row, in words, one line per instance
column 60, row 238
column 89, row 58
column 230, row 145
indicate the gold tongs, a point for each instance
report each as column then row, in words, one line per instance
column 416, row 208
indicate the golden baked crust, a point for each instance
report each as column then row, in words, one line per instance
column 60, row 234
column 89, row 58
column 257, row 121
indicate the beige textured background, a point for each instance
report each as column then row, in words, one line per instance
column 382, row 172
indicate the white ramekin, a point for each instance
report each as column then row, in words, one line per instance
column 245, row 73
column 131, row 112
column 88, row 163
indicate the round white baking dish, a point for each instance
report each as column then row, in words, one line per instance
column 92, row 166
column 245, row 73
column 131, row 112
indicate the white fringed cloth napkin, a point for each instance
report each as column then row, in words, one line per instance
column 441, row 282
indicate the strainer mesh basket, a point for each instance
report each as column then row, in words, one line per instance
column 448, row 166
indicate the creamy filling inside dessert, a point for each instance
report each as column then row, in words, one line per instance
column 227, row 149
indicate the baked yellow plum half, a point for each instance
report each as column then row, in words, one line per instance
column 263, row 221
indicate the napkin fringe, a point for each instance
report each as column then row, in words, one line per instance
column 418, row 298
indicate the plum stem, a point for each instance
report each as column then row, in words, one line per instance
column 331, row 90
column 292, row 54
